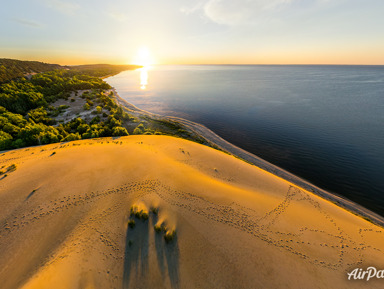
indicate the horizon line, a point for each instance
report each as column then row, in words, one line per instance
column 206, row 64
column 281, row 64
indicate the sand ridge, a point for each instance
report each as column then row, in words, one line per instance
column 64, row 217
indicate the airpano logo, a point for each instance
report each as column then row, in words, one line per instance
column 370, row 273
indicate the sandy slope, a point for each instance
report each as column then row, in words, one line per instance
column 63, row 221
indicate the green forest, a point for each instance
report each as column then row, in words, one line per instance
column 12, row 69
column 27, row 117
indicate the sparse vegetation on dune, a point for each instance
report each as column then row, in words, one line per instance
column 163, row 227
column 169, row 127
column 9, row 169
column 131, row 223
column 140, row 213
column 12, row 168
column 155, row 210
column 169, row 235
column 158, row 228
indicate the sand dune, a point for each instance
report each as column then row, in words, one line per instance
column 64, row 216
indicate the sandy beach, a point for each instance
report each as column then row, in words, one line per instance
column 65, row 209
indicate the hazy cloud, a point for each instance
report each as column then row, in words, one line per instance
column 232, row 12
column 63, row 6
column 237, row 12
column 118, row 16
column 192, row 9
column 27, row 22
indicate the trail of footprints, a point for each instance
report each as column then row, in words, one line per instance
column 247, row 221
column 17, row 220
column 234, row 215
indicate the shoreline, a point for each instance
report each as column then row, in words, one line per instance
column 214, row 139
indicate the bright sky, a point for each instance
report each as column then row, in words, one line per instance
column 193, row 31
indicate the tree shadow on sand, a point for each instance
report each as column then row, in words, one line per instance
column 30, row 194
column 168, row 257
column 137, row 250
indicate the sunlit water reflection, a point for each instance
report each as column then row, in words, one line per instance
column 144, row 77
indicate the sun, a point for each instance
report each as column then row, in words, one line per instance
column 143, row 57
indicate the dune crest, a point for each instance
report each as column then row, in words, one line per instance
column 66, row 221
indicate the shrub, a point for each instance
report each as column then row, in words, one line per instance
column 95, row 120
column 154, row 210
column 158, row 228
column 169, row 236
column 62, row 107
column 72, row 136
column 139, row 129
column 131, row 223
column 5, row 140
column 142, row 214
column 11, row 168
column 119, row 131
column 82, row 128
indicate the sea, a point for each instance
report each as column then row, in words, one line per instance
column 322, row 123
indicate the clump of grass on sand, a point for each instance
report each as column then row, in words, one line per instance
column 169, row 235
column 154, row 210
column 10, row 169
column 131, row 223
column 139, row 213
column 159, row 228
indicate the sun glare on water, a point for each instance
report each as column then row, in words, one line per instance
column 143, row 57
column 143, row 77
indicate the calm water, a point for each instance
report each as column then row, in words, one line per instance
column 322, row 123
